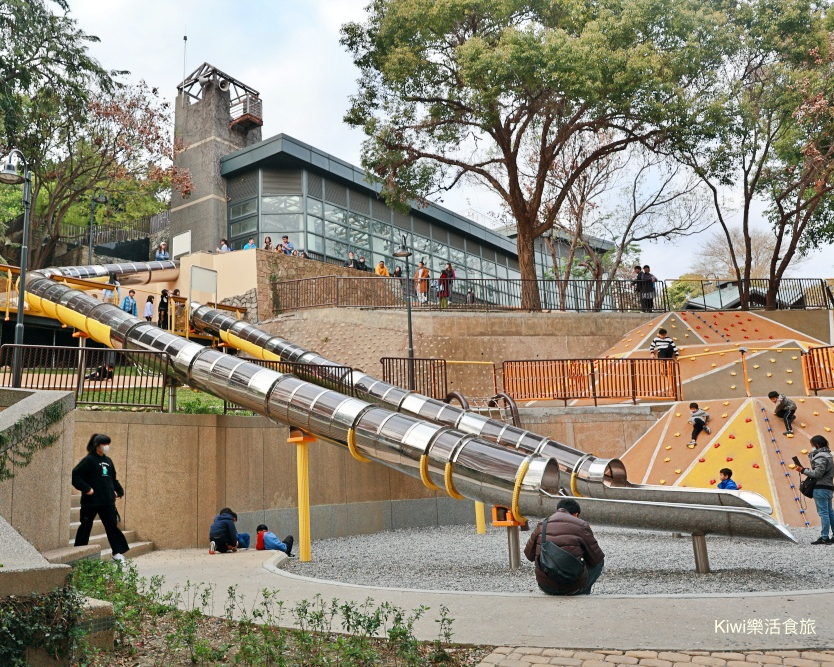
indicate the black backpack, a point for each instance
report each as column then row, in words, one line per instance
column 557, row 563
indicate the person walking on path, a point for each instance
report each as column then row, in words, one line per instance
column 421, row 283
column 822, row 470
column 162, row 311
column 573, row 535
column 95, row 477
column 129, row 303
column 148, row 314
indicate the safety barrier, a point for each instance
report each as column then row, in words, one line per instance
column 818, row 369
column 426, row 376
column 567, row 379
column 98, row 376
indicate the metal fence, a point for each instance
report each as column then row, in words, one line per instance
column 818, row 369
column 761, row 293
column 486, row 294
column 425, row 376
column 130, row 230
column 101, row 377
column 567, row 379
column 338, row 378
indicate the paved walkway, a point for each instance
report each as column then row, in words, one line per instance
column 790, row 623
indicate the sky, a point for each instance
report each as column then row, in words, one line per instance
column 289, row 51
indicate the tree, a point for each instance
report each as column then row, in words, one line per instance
column 773, row 136
column 660, row 200
column 454, row 89
column 116, row 141
column 39, row 49
column 714, row 258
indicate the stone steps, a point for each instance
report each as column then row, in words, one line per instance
column 98, row 537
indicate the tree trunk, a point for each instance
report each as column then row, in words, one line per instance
column 530, row 298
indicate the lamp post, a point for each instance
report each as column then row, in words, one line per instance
column 403, row 251
column 9, row 176
column 97, row 198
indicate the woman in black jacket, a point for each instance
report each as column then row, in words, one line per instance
column 162, row 310
column 95, row 477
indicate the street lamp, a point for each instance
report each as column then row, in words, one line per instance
column 9, row 176
column 97, row 198
column 403, row 251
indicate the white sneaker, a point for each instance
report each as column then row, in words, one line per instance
column 211, row 547
column 119, row 559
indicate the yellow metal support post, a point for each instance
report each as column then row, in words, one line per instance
column 300, row 439
column 480, row 518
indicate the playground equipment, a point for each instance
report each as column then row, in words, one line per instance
column 467, row 455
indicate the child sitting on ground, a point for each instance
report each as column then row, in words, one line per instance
column 223, row 535
column 699, row 421
column 269, row 541
column 785, row 409
column 726, row 480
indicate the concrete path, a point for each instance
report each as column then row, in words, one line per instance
column 754, row 622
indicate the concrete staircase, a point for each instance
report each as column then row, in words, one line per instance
column 99, row 537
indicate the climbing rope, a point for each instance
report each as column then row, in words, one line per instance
column 785, row 468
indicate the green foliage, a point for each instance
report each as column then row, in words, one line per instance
column 681, row 290
column 20, row 441
column 198, row 403
column 254, row 634
column 48, row 621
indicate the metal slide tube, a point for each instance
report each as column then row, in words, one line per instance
column 460, row 462
column 387, row 437
column 590, row 476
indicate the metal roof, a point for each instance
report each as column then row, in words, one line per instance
column 285, row 152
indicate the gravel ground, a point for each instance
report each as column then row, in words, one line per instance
column 636, row 563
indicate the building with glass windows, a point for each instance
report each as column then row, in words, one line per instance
column 245, row 187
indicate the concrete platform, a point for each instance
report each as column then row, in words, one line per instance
column 617, row 623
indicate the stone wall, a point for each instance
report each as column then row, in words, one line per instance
column 248, row 300
column 36, row 501
column 360, row 337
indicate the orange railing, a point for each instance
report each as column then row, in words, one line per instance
column 818, row 369
column 566, row 379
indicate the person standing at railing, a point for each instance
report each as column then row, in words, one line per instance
column 286, row 246
column 250, row 245
column 444, row 284
column 382, row 270
column 268, row 243
column 646, row 289
column 162, row 253
column 110, row 295
column 129, row 303
column 148, row 314
column 421, row 282
column 223, row 247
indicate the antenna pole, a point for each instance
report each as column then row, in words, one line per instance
column 184, row 61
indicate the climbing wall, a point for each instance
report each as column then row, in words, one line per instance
column 745, row 438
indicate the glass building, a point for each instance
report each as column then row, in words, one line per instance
column 282, row 186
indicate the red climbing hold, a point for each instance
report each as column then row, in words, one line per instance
column 717, row 445
column 697, row 326
column 739, row 487
column 771, row 337
column 729, row 458
column 750, row 445
column 731, row 437
column 755, row 465
column 712, row 481
column 701, row 460
column 748, row 420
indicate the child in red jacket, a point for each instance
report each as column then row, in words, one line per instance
column 269, row 541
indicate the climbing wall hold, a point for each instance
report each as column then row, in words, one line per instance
column 711, row 482
column 678, row 414
column 732, row 386
column 733, row 373
column 749, row 445
column 702, row 460
column 729, row 458
column 677, row 435
column 755, row 465
column 748, row 420
column 677, row 471
column 724, row 416
column 726, row 403
column 668, row 447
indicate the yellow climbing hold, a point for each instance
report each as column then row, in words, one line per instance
column 790, row 435
column 706, row 349
column 790, row 381
column 724, row 416
column 794, row 358
column 726, row 402
column 668, row 446
column 663, row 481
column 773, row 361
column 801, row 400
column 666, row 460
column 690, row 446
column 756, row 366
column 720, row 354
column 677, row 471
column 733, row 373
column 674, row 327
column 677, row 435
column 791, row 466
column 770, row 375
column 802, row 424
column 732, row 386
column 678, row 414
column 790, row 370
column 827, row 429
column 816, row 414
column 686, row 335
column 706, row 407
column 803, row 451
column 713, row 365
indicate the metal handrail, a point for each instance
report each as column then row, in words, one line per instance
column 818, row 369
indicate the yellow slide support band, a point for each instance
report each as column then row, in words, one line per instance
column 450, row 483
column 573, row 488
column 480, row 518
column 352, row 447
column 519, row 478
column 424, row 474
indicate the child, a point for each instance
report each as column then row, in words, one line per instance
column 699, row 421
column 785, row 409
column 269, row 541
column 149, row 309
column 223, row 535
column 663, row 347
column 726, row 480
